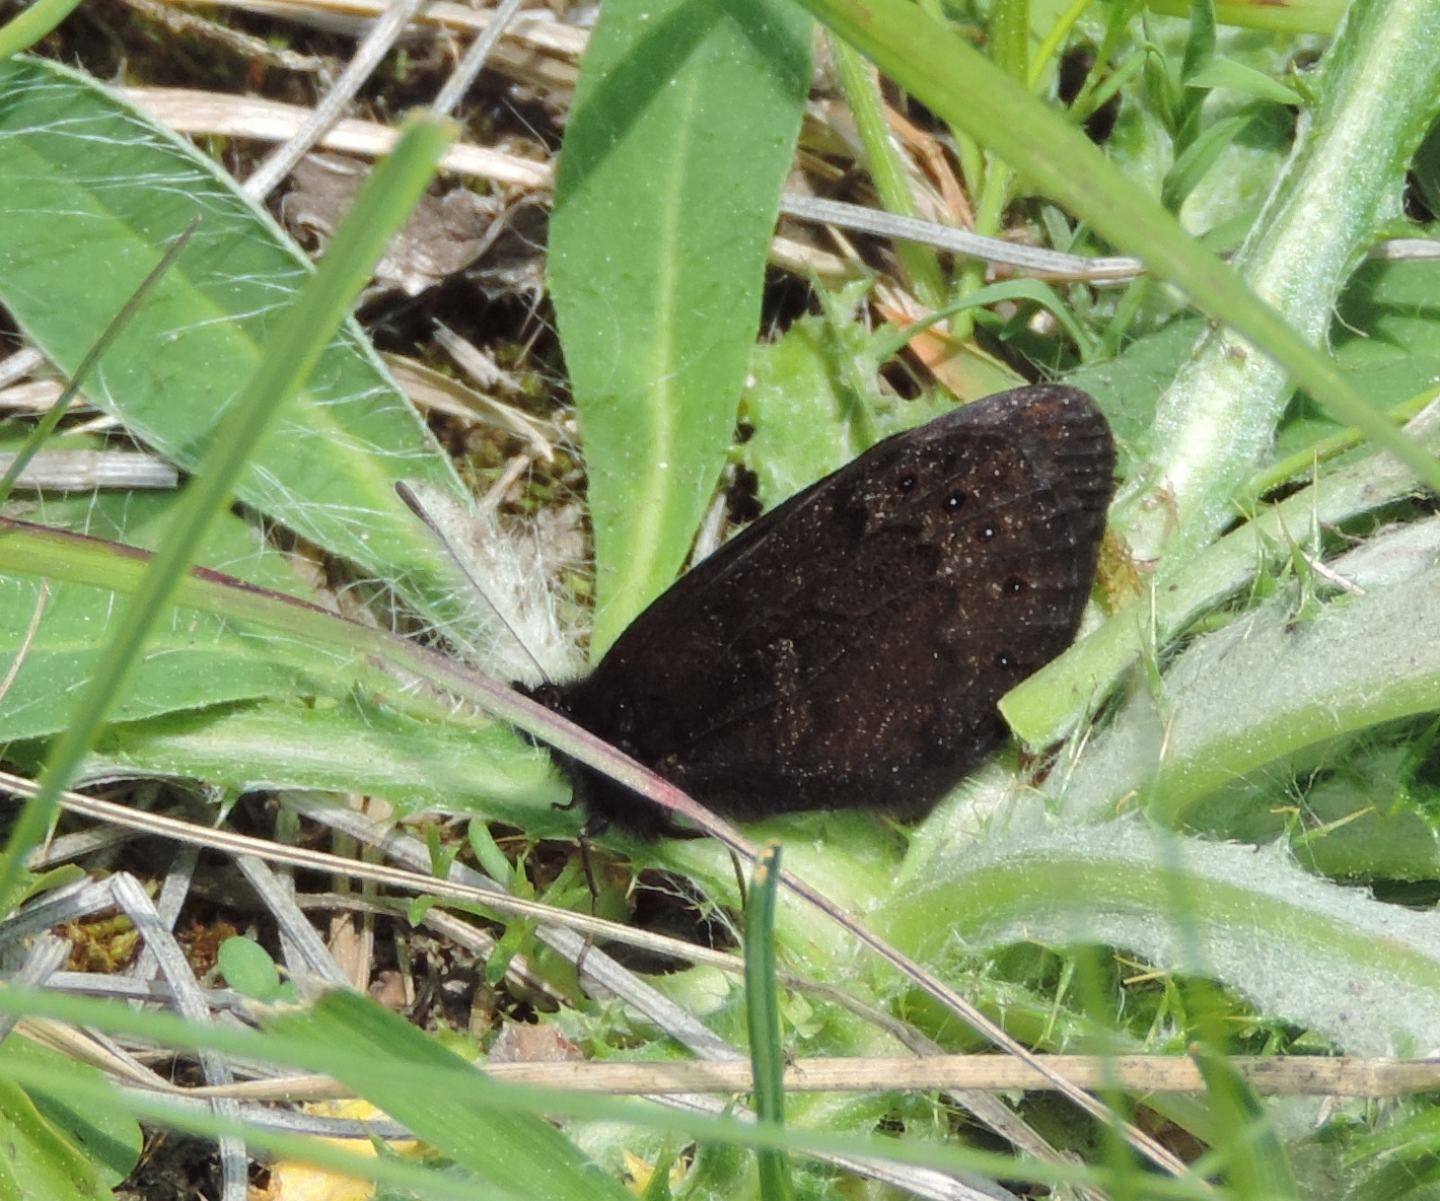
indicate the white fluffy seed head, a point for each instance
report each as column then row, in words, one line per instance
column 514, row 626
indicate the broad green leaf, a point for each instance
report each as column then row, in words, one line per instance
column 304, row 328
column 192, row 661
column 348, row 746
column 668, row 185
column 313, row 729
column 1360, row 972
column 195, row 660
column 55, row 1151
column 90, row 192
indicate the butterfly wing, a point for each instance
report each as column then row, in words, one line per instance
column 849, row 648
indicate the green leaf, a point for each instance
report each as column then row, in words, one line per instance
column 813, row 400
column 55, row 1151
column 511, row 1149
column 91, row 191
column 1233, row 76
column 305, row 326
column 1361, row 973
column 683, row 128
column 1267, row 686
column 249, row 970
column 806, row 422
column 194, row 660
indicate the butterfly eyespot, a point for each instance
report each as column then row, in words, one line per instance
column 905, row 483
column 985, row 533
column 1015, row 585
column 1003, row 661
column 955, row 500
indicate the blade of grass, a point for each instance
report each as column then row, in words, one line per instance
column 1254, row 1158
column 27, row 27
column 417, row 1179
column 516, row 1149
column 890, row 343
column 295, row 1042
column 887, row 167
column 762, row 1019
column 310, row 323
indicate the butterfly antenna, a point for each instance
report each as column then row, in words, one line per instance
column 416, row 506
column 739, row 879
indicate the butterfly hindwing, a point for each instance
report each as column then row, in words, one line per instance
column 849, row 647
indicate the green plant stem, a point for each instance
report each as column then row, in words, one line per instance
column 887, row 168
column 28, row 27
column 762, row 1016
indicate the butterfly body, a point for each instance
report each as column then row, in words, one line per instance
column 848, row 648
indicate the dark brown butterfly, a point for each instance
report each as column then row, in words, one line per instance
column 848, row 649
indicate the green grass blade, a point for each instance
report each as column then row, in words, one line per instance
column 56, row 627
column 448, row 765
column 762, row 1018
column 408, row 1178
column 887, row 167
column 1256, row 1166
column 26, row 28
column 517, row 1151
column 293, row 1041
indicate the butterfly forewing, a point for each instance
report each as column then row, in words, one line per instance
column 849, row 648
